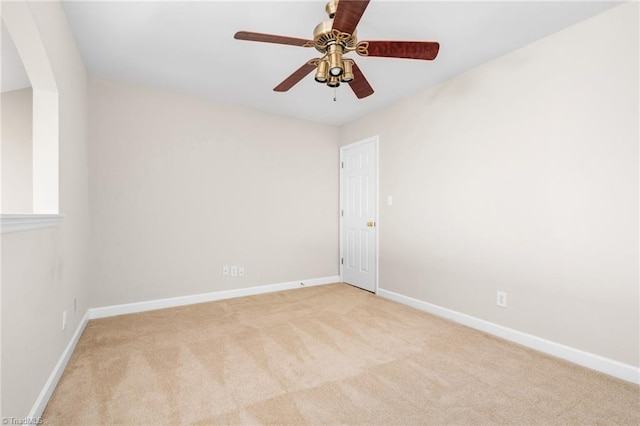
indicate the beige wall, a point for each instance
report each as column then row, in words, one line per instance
column 182, row 186
column 522, row 176
column 17, row 151
column 44, row 270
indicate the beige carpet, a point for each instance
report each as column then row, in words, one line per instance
column 321, row 355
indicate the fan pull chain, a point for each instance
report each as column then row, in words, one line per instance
column 335, row 90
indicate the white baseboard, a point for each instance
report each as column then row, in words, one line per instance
column 131, row 308
column 43, row 399
column 599, row 363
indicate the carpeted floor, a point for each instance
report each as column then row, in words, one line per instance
column 321, row 355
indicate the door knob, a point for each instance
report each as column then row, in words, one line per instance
column 371, row 224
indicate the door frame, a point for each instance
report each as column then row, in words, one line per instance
column 376, row 144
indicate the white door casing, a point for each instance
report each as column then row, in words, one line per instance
column 359, row 213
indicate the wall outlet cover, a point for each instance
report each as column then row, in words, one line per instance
column 501, row 299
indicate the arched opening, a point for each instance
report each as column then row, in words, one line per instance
column 19, row 25
column 16, row 140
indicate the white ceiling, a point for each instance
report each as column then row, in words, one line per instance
column 189, row 46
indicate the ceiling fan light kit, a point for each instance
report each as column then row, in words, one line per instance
column 321, row 72
column 347, row 73
column 336, row 37
column 334, row 53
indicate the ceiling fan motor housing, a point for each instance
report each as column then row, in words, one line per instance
column 324, row 35
column 332, row 43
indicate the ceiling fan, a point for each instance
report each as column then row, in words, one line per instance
column 336, row 37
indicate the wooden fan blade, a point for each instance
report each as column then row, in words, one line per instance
column 348, row 15
column 271, row 38
column 294, row 78
column 359, row 84
column 427, row 50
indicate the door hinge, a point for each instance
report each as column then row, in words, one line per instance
column 342, row 164
column 342, row 213
column 342, row 260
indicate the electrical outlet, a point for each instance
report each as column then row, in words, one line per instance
column 225, row 271
column 241, row 271
column 234, row 271
column 64, row 320
column 501, row 299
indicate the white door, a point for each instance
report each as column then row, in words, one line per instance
column 358, row 211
